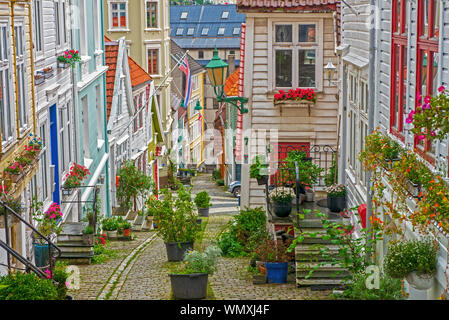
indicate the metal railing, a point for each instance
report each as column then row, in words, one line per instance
column 52, row 248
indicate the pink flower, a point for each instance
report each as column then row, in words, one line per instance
column 419, row 99
column 421, row 137
column 48, row 272
column 426, row 106
column 432, row 133
column 441, row 89
column 67, row 284
column 427, row 99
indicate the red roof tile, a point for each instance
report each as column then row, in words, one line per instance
column 308, row 5
column 138, row 75
column 111, row 52
column 231, row 87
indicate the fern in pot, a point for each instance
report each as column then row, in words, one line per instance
column 416, row 261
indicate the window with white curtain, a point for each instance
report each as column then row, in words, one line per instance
column 7, row 108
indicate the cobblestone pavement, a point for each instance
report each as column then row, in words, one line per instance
column 145, row 275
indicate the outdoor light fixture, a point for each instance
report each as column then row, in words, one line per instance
column 198, row 107
column 182, row 104
column 330, row 70
column 217, row 70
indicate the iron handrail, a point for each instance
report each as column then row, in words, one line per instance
column 50, row 243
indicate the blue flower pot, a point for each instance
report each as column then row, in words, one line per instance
column 41, row 255
column 276, row 272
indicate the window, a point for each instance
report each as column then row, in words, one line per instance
column 62, row 143
column 236, row 31
column 153, row 61
column 204, row 31
column 191, row 106
column 119, row 15
column 120, row 99
column 184, row 15
column 295, row 56
column 225, row 15
column 428, row 61
column 97, row 24
column 200, row 54
column 85, row 117
column 99, row 107
column 38, row 37
column 68, row 117
column 152, row 21
column 190, row 31
column 20, row 74
column 60, row 26
column 57, row 25
column 43, row 162
column 399, row 68
column 179, row 31
column 7, row 108
column 195, row 83
column 221, row 31
column 83, row 30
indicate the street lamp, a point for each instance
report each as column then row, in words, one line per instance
column 198, row 106
column 330, row 70
column 182, row 104
column 217, row 70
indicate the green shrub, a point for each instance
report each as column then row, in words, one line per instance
column 216, row 174
column 389, row 289
column 88, row 230
column 220, row 182
column 22, row 286
column 202, row 200
column 242, row 234
column 200, row 262
column 60, row 276
column 404, row 257
column 259, row 167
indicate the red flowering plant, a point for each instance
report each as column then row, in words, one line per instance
column 70, row 57
column 431, row 117
column 14, row 168
column 48, row 220
column 296, row 95
column 76, row 175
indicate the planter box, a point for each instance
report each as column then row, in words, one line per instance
column 420, row 282
column 259, row 279
column 176, row 250
column 111, row 234
column 63, row 65
column 189, row 286
column 39, row 80
column 336, row 204
column 297, row 104
column 88, row 239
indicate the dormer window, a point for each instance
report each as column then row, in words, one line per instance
column 225, row 15
column 205, row 31
column 221, row 31
column 184, row 15
column 190, row 31
column 236, row 31
column 179, row 31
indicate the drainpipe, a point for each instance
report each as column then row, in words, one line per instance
column 371, row 110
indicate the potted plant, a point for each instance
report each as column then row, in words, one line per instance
column 259, row 169
column 75, row 177
column 125, row 226
column 39, row 78
column 336, row 195
column 14, row 171
column 202, row 201
column 281, row 198
column 88, row 236
column 15, row 205
column 176, row 222
column 310, row 195
column 68, row 58
column 48, row 226
column 416, row 261
column 190, row 281
column 90, row 217
column 274, row 254
column 110, row 225
column 24, row 161
column 308, row 172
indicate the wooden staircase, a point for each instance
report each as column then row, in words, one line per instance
column 70, row 241
column 308, row 253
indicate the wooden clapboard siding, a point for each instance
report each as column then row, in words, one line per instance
column 293, row 124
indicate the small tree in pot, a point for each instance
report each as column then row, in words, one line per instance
column 336, row 195
column 190, row 281
column 88, row 235
column 416, row 261
column 259, row 169
column 281, row 198
column 308, row 172
column 275, row 256
column 202, row 201
column 176, row 222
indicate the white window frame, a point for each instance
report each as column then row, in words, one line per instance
column 43, row 161
column 99, row 114
column 158, row 22
column 111, row 26
column 179, row 31
column 84, row 49
column 225, row 15
column 5, row 65
column 202, row 31
column 62, row 141
column 22, row 79
column 184, row 15
column 190, row 33
column 97, row 25
column 191, row 106
column 195, row 82
column 159, row 66
column 295, row 46
column 236, row 31
column 221, row 31
column 38, row 29
column 85, row 126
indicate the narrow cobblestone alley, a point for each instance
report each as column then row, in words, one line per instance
column 141, row 270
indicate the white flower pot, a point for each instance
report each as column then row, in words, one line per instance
column 111, row 234
column 420, row 281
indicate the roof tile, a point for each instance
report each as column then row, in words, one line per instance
column 309, row 5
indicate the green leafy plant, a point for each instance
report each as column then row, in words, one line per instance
column 216, row 174
column 24, row 161
column 220, row 182
column 133, row 185
column 60, row 276
column 282, row 195
column 200, row 262
column 241, row 235
column 259, row 167
column 404, row 257
column 23, row 286
column 70, row 57
column 202, row 200
column 110, row 224
column 88, row 230
column 272, row 251
column 389, row 289
column 176, row 216
column 125, row 225
column 331, row 177
column 308, row 171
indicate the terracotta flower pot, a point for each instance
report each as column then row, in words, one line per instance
column 126, row 232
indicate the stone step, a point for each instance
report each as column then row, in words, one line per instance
column 308, row 239
column 71, row 244
column 311, row 252
column 76, row 260
column 75, row 250
column 69, row 238
column 73, row 228
column 319, row 282
column 310, row 223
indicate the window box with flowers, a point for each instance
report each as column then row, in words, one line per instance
column 74, row 178
column 33, row 147
column 13, row 172
column 39, row 78
column 295, row 98
column 68, row 58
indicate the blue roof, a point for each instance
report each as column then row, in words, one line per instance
column 202, row 17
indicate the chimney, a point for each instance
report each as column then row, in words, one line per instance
column 231, row 63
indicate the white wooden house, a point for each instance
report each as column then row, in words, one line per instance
column 287, row 45
column 130, row 109
column 403, row 35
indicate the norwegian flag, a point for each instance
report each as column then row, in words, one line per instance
column 184, row 67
